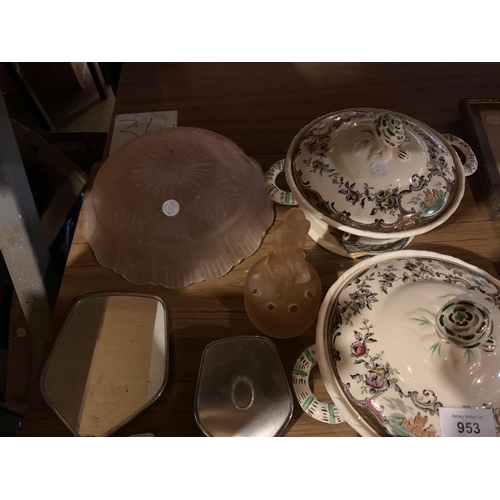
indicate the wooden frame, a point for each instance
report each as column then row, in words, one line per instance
column 482, row 117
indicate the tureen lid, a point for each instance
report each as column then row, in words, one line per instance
column 375, row 170
column 402, row 335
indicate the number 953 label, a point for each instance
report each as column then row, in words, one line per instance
column 466, row 422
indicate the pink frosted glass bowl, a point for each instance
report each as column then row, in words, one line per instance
column 175, row 207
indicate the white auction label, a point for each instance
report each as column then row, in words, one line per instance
column 379, row 169
column 467, row 422
column 130, row 126
column 170, row 208
column 493, row 119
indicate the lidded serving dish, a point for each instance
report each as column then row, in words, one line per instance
column 403, row 334
column 176, row 206
column 370, row 180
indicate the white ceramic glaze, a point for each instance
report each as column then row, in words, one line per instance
column 375, row 174
column 379, row 351
column 349, row 245
column 319, row 410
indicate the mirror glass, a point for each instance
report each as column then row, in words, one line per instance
column 109, row 362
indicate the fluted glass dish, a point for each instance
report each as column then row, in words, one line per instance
column 175, row 207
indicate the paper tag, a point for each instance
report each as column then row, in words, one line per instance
column 379, row 169
column 170, row 208
column 467, row 422
column 130, row 126
column 493, row 119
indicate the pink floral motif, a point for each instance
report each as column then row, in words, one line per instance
column 452, row 268
column 379, row 376
column 375, row 379
column 358, row 348
column 388, row 278
column 353, row 196
column 387, row 200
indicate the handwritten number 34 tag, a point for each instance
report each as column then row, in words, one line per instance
column 466, row 422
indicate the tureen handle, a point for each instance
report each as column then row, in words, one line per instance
column 275, row 193
column 470, row 165
column 324, row 412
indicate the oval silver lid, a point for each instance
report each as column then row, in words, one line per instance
column 242, row 389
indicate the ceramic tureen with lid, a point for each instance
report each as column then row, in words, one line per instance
column 403, row 334
column 370, row 180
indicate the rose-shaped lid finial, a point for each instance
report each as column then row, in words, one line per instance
column 464, row 324
column 391, row 130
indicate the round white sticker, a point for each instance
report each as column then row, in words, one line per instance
column 493, row 120
column 379, row 169
column 170, row 208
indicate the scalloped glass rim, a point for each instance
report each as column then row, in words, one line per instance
column 208, row 258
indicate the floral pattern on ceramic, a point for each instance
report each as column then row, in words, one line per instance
column 383, row 332
column 400, row 194
column 364, row 337
column 324, row 412
column 359, row 247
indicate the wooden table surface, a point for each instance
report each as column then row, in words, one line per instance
column 261, row 107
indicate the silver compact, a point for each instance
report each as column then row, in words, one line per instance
column 242, row 389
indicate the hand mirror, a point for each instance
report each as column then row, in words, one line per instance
column 109, row 362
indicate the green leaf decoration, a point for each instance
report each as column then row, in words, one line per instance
column 422, row 321
column 309, row 355
column 469, row 353
column 307, row 403
column 331, row 414
column 436, row 347
column 300, row 373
